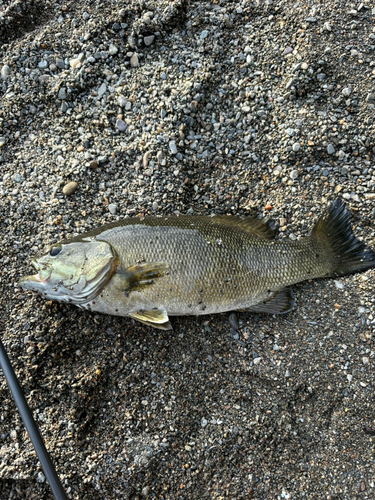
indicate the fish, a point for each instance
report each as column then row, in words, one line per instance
column 151, row 268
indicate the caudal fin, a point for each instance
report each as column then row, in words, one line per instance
column 347, row 254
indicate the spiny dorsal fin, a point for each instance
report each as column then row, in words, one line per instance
column 157, row 318
column 251, row 224
column 138, row 276
column 281, row 302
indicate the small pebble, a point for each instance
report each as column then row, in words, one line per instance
column 5, row 72
column 330, row 149
column 173, row 148
column 112, row 207
column 112, row 50
column 294, row 174
column 148, row 40
column 134, row 61
column 102, row 90
column 40, row 477
column 93, row 164
column 121, row 125
column 146, row 158
column 70, row 188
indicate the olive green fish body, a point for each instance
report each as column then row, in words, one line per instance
column 165, row 266
column 209, row 268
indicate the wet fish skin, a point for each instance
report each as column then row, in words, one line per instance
column 183, row 265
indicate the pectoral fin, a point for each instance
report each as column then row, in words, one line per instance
column 157, row 318
column 139, row 276
column 280, row 302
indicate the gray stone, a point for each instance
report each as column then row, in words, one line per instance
column 290, row 83
column 60, row 63
column 5, row 72
column 102, row 90
column 122, row 101
column 296, row 147
column 148, row 40
column 121, row 125
column 287, row 50
column 62, row 93
column 112, row 207
column 172, row 147
column 330, row 149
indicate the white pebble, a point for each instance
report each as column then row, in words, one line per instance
column 294, row 174
column 5, row 72
column 41, row 477
column 173, row 148
column 112, row 50
column 134, row 61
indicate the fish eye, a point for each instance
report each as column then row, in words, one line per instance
column 55, row 251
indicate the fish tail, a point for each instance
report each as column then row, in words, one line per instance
column 345, row 252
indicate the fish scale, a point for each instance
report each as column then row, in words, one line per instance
column 163, row 266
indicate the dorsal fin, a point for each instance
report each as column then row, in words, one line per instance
column 251, row 224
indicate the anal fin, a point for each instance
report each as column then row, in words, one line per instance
column 281, row 302
column 157, row 318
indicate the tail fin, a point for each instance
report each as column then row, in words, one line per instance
column 348, row 254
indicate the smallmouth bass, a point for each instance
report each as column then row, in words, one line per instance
column 154, row 267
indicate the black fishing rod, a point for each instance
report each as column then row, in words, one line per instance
column 31, row 426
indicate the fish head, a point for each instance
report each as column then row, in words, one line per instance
column 73, row 271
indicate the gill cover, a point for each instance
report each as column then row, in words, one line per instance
column 73, row 272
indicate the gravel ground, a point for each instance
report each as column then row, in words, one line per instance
column 116, row 109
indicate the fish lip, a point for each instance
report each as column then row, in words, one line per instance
column 35, row 278
column 34, row 263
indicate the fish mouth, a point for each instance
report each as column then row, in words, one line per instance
column 41, row 277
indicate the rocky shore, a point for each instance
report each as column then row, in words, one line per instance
column 118, row 109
